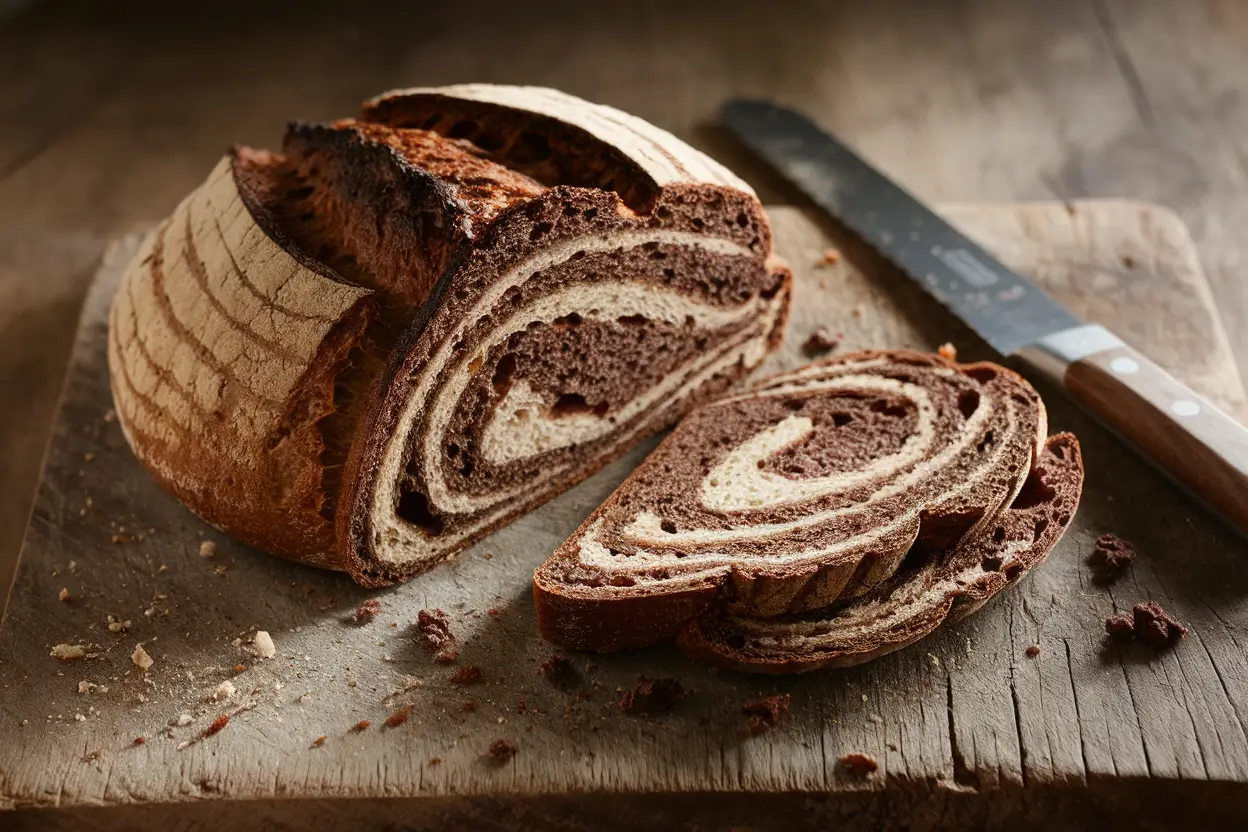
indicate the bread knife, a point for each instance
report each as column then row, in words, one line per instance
column 1183, row 434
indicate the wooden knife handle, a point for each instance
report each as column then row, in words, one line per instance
column 1194, row 442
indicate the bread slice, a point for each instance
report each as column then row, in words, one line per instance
column 914, row 601
column 814, row 488
column 367, row 351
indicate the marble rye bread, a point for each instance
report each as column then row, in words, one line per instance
column 816, row 488
column 368, row 350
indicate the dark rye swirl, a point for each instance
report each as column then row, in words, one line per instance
column 367, row 351
column 813, row 488
column 915, row 600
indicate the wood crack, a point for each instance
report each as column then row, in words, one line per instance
column 963, row 775
column 1126, row 68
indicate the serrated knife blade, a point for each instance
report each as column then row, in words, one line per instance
column 1187, row 437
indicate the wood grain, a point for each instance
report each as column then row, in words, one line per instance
column 966, row 728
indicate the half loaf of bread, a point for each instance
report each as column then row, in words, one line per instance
column 821, row 487
column 368, row 350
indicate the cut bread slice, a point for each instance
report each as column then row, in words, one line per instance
column 815, row 487
column 915, row 600
column 367, row 351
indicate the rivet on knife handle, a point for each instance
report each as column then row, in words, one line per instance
column 1178, row 430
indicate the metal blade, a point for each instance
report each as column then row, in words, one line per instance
column 1006, row 309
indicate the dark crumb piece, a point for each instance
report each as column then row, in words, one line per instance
column 559, row 671
column 493, row 611
column 319, row 741
column 766, row 713
column 468, row 706
column 239, row 668
column 435, row 626
column 522, row 706
column 652, row 696
column 367, row 611
column 820, row 341
column 1033, row 651
column 1155, row 626
column 435, row 761
column 469, row 675
column 1111, row 556
column 947, row 351
column 1128, row 261
column 1121, row 625
column 140, row 740
column 859, row 765
column 501, row 751
column 362, row 725
column 830, row 258
column 216, row 726
column 399, row 717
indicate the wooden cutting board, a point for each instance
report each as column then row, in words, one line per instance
column 966, row 728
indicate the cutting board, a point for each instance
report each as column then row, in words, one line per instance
column 966, row 728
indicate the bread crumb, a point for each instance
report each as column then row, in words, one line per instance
column 110, row 415
column 652, row 696
column 766, row 713
column 319, row 741
column 140, row 658
column 859, row 765
column 469, row 675
column 68, row 652
column 116, row 625
column 63, row 596
column 224, row 690
column 216, row 726
column 435, row 626
column 1033, row 651
column 559, row 672
column 947, row 351
column 207, row 549
column 468, row 706
column 262, row 645
column 399, row 717
column 501, row 751
column 362, row 725
column 435, row 761
column 819, row 342
column 139, row 740
column 830, row 258
column 367, row 611
column 1111, row 556
column 183, row 720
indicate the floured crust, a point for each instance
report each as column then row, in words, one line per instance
column 814, row 487
column 393, row 337
column 914, row 602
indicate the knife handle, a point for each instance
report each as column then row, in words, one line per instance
column 1183, row 433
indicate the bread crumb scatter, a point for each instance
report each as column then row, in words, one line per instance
column 262, row 645
column 399, row 717
column 116, row 625
column 501, row 751
column 63, row 596
column 859, row 765
column 1033, row 651
column 947, row 351
column 830, row 258
column 559, row 672
column 435, row 627
column 225, row 690
column 766, row 713
column 468, row 675
column 652, row 696
column 141, row 659
column 820, row 342
column 68, row 652
column 207, row 549
column 362, row 725
column 367, row 611
column 319, row 741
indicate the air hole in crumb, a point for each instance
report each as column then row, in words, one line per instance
column 589, row 213
column 1058, row 451
column 462, row 129
column 981, row 374
column 571, row 319
column 663, row 212
column 1041, row 525
column 841, row 419
column 452, row 450
column 796, row 404
column 988, row 439
column 414, row 508
column 736, row 641
column 572, row 404
column 998, row 535
column 968, row 403
column 503, row 372
column 1034, row 492
column 531, row 149
column 888, row 408
column 992, row 563
column 540, row 230
column 742, row 219
column 698, row 223
column 668, row 526
column 631, row 320
column 669, row 274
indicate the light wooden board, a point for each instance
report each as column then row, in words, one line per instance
column 965, row 727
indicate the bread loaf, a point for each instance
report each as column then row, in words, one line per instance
column 815, row 488
column 368, row 350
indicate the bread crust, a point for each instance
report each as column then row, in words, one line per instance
column 265, row 371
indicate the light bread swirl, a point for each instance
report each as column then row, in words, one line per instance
column 371, row 349
column 814, row 488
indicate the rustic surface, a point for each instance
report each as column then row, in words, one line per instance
column 964, row 725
